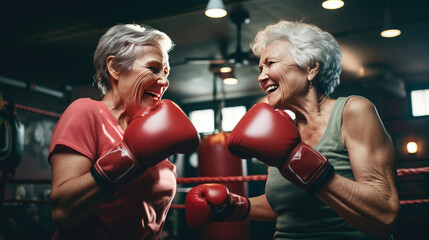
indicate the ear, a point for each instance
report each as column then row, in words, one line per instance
column 113, row 72
column 313, row 71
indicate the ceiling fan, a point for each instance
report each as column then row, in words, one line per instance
column 238, row 16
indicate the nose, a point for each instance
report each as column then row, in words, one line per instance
column 263, row 76
column 163, row 81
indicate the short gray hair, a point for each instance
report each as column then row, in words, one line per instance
column 309, row 44
column 122, row 41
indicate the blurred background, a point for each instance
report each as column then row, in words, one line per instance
column 46, row 53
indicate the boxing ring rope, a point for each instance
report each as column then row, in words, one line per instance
column 414, row 201
column 411, row 171
column 228, row 179
column 35, row 110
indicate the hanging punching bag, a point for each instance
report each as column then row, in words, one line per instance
column 11, row 138
column 11, row 144
column 215, row 160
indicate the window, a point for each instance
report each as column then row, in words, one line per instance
column 203, row 120
column 420, row 102
column 231, row 116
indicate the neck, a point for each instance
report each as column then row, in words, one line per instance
column 322, row 99
column 311, row 108
column 116, row 107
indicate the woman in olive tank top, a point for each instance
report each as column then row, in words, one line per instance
column 299, row 67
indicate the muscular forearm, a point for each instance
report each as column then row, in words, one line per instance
column 260, row 210
column 370, row 207
column 75, row 200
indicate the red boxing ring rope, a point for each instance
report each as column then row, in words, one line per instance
column 414, row 201
column 411, row 171
column 190, row 180
column 35, row 110
column 228, row 179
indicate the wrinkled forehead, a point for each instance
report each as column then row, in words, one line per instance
column 154, row 52
column 275, row 49
column 164, row 52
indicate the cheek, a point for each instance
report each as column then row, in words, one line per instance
column 278, row 74
column 134, row 85
column 292, row 80
column 142, row 80
column 284, row 79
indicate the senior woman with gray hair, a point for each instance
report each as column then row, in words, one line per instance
column 331, row 169
column 111, row 178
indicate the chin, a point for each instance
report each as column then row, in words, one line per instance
column 148, row 103
column 275, row 106
column 273, row 103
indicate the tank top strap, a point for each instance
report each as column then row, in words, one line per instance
column 333, row 129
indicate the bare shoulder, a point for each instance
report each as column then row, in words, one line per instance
column 361, row 120
column 358, row 105
column 359, row 110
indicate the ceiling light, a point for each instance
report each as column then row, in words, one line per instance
column 389, row 29
column 230, row 81
column 390, row 33
column 225, row 69
column 215, row 9
column 332, row 4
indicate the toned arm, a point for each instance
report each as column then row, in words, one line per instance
column 74, row 193
column 370, row 203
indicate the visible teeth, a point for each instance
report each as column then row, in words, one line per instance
column 153, row 93
column 272, row 88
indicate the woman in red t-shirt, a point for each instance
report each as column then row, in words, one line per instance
column 110, row 175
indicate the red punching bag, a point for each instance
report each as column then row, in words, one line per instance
column 214, row 160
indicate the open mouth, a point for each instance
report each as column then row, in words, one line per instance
column 271, row 89
column 153, row 94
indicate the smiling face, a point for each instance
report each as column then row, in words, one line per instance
column 280, row 77
column 146, row 82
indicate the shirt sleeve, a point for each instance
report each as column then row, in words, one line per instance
column 76, row 129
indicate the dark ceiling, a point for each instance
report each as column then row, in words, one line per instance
column 50, row 43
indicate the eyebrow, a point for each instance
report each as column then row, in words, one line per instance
column 154, row 62
column 264, row 60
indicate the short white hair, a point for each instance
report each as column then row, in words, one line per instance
column 123, row 41
column 308, row 44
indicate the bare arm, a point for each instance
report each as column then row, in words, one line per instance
column 260, row 210
column 74, row 193
column 370, row 203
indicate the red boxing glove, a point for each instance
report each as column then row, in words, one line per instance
column 213, row 202
column 271, row 136
column 153, row 134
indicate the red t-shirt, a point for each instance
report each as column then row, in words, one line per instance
column 137, row 211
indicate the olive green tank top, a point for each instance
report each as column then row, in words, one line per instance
column 302, row 215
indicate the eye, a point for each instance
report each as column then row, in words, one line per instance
column 270, row 63
column 154, row 69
